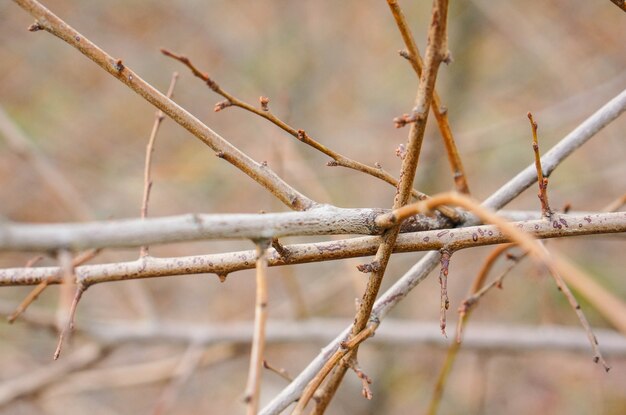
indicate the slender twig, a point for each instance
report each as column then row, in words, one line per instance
column 34, row 294
column 147, row 179
column 253, row 386
column 529, row 244
column 278, row 370
column 541, row 180
column 68, row 301
column 346, row 347
column 412, row 278
column 46, row 20
column 264, row 112
column 226, row 263
column 436, row 52
column 464, row 314
column 439, row 111
column 443, row 282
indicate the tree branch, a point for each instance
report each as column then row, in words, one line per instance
column 46, row 20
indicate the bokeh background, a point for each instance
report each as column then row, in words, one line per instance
column 331, row 68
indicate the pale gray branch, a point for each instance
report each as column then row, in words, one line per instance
column 222, row 264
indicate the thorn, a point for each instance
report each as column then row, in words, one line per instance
column 401, row 151
column 222, row 277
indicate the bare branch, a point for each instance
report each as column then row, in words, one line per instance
column 49, row 22
column 222, row 264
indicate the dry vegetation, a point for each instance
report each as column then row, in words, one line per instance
column 302, row 98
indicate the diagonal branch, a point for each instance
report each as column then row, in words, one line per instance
column 46, row 20
column 412, row 278
column 264, row 112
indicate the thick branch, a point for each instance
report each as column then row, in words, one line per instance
column 324, row 220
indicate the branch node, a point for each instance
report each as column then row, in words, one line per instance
column 332, row 163
column 221, row 105
column 373, row 266
column 118, row 65
column 401, row 151
column 264, row 101
column 35, row 27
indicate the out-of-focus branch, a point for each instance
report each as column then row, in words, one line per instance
column 223, row 264
column 253, row 386
column 439, row 111
column 147, row 178
column 60, row 186
column 46, row 20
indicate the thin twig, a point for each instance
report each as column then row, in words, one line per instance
column 443, row 282
column 412, row 278
column 35, row 292
column 278, row 370
column 439, row 111
column 147, row 179
column 264, row 112
column 46, row 20
column 541, row 180
column 253, row 386
column 464, row 314
column 527, row 242
column 615, row 205
column 436, row 52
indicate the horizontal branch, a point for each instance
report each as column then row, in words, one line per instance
column 223, row 264
column 324, row 220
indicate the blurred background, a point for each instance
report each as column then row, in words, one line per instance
column 331, row 68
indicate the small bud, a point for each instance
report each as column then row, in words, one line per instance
column 264, row 103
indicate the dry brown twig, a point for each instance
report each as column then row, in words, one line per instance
column 555, row 266
column 412, row 54
column 436, row 52
column 69, row 298
column 301, row 135
column 541, row 180
column 147, row 180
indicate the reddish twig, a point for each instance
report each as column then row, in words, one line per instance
column 541, row 180
column 147, row 180
column 279, row 371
